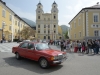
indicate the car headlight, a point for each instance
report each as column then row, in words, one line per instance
column 54, row 58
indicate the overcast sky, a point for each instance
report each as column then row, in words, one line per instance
column 67, row 8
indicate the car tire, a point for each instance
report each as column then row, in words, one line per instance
column 43, row 63
column 17, row 56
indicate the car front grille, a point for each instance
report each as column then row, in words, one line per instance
column 60, row 57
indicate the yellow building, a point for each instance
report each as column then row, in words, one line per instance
column 47, row 23
column 11, row 23
column 86, row 24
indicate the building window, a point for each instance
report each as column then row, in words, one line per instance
column 44, row 19
column 54, row 17
column 96, row 33
column 79, row 22
column 9, row 27
column 48, row 37
column 79, row 34
column 18, row 23
column 10, row 17
column 54, row 31
column 75, row 36
column 3, row 13
column 3, row 25
column 54, row 26
column 38, row 17
column 38, row 26
column 93, row 25
column 96, row 18
column 44, row 26
column 44, row 37
column 48, row 31
column 97, row 26
column 15, row 22
column 21, row 25
column 39, row 6
column 44, row 31
column 74, row 24
column 54, row 6
column 38, row 31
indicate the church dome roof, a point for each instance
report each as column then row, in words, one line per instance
column 54, row 2
column 39, row 3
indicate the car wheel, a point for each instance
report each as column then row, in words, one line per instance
column 43, row 63
column 17, row 56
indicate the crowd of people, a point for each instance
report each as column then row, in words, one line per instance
column 86, row 46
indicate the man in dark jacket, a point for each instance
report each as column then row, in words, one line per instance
column 62, row 45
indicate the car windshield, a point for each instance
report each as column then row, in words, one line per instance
column 41, row 46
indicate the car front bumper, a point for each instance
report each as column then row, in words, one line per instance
column 59, row 61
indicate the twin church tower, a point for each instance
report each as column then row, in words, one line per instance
column 47, row 23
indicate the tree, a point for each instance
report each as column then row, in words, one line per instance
column 66, row 35
column 27, row 32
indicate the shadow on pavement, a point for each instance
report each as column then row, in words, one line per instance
column 30, row 65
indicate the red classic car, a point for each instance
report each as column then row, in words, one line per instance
column 40, row 52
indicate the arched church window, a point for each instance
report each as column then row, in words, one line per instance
column 38, row 17
column 54, row 31
column 54, row 26
column 39, row 6
column 44, row 37
column 54, row 6
column 54, row 17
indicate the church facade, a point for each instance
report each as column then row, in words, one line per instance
column 47, row 23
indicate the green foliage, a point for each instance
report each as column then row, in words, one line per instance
column 66, row 35
column 27, row 32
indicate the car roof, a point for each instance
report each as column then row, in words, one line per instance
column 31, row 42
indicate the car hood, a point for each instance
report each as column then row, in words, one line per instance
column 52, row 52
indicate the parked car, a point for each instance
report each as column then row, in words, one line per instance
column 45, row 41
column 39, row 52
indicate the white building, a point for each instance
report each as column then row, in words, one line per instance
column 47, row 23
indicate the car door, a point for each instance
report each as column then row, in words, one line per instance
column 23, row 49
column 31, row 53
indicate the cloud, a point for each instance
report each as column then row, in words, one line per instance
column 69, row 11
column 74, row 8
